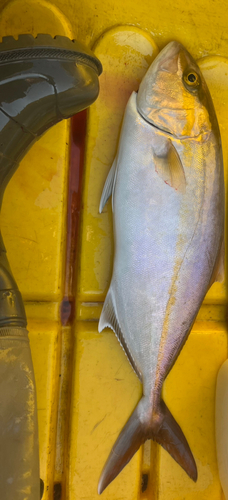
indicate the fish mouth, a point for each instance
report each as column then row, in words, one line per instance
column 168, row 54
column 173, row 59
column 168, row 57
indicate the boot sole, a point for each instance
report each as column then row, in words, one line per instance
column 46, row 47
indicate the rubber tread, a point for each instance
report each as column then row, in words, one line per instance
column 46, row 47
column 13, row 332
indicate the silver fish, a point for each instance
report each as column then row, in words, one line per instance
column 167, row 187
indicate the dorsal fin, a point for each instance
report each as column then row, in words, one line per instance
column 109, row 319
column 108, row 187
column 169, row 167
column 219, row 269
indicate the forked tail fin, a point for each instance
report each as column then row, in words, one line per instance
column 136, row 431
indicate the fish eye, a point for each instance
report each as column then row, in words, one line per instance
column 192, row 79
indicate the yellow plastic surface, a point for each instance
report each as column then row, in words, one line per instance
column 99, row 412
column 126, row 36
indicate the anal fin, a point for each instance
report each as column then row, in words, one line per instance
column 219, row 269
column 109, row 318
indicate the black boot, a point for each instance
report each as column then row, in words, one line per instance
column 42, row 81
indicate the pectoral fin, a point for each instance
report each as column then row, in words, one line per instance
column 169, row 167
column 108, row 187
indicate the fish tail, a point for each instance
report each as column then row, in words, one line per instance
column 172, row 439
column 140, row 427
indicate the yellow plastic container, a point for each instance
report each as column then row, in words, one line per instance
column 85, row 385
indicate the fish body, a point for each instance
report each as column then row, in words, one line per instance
column 167, row 191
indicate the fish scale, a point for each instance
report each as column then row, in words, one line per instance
column 167, row 191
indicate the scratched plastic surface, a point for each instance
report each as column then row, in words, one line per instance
column 85, row 386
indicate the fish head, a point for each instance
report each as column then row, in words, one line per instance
column 174, row 97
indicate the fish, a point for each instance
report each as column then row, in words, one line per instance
column 167, row 188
